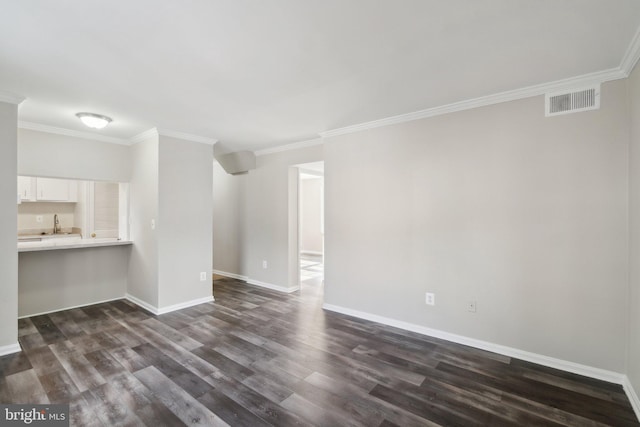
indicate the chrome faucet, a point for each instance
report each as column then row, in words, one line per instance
column 56, row 224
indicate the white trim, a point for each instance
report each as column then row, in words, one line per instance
column 632, row 55
column 143, row 136
column 287, row 147
column 272, row 286
column 185, row 304
column 157, row 311
column 11, row 98
column 69, row 132
column 632, row 395
column 10, row 349
column 231, row 275
column 103, row 138
column 576, row 368
column 71, row 308
column 311, row 173
column 310, row 252
column 257, row 282
column 143, row 304
column 511, row 95
column 187, row 136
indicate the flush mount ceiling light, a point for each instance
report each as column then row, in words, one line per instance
column 95, row 121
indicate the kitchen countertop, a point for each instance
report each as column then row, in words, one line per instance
column 48, row 236
column 56, row 242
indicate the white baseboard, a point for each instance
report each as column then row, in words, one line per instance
column 163, row 310
column 272, row 286
column 137, row 301
column 231, row 275
column 10, row 349
column 186, row 304
column 71, row 307
column 632, row 395
column 576, row 368
column 257, row 282
column 310, row 252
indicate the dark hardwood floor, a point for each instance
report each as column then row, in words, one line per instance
column 256, row 357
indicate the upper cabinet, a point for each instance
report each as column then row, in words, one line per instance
column 26, row 188
column 47, row 189
column 52, row 190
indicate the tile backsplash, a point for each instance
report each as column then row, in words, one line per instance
column 28, row 213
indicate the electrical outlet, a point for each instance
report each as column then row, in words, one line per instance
column 39, row 219
column 203, row 276
column 153, row 224
column 471, row 306
column 430, row 299
column 264, row 264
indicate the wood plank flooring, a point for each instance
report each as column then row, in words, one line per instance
column 258, row 358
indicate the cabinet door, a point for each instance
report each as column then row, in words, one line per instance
column 26, row 188
column 50, row 189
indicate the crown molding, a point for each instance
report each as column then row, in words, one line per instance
column 187, row 136
column 629, row 61
column 69, row 132
column 632, row 55
column 153, row 132
column 156, row 132
column 287, row 147
column 511, row 95
column 150, row 133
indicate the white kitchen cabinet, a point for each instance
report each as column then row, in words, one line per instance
column 52, row 190
column 32, row 189
column 26, row 188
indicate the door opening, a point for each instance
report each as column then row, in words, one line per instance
column 307, row 223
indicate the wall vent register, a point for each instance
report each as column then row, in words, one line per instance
column 574, row 101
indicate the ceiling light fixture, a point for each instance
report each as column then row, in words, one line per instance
column 95, row 121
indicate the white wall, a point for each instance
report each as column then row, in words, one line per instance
column 524, row 214
column 229, row 220
column 8, row 224
column 60, row 156
column 251, row 217
column 633, row 351
column 185, row 223
column 267, row 229
column 143, row 265
column 311, row 215
column 52, row 280
column 170, row 183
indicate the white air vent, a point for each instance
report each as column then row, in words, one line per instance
column 572, row 102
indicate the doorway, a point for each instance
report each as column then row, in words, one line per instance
column 311, row 222
column 308, row 245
